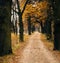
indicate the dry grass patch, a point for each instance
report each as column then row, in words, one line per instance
column 50, row 46
column 16, row 45
column 15, row 41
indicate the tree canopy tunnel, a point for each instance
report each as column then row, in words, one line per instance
column 37, row 10
column 36, row 24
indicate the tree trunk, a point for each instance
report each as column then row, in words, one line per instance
column 29, row 26
column 48, row 29
column 56, row 9
column 57, row 35
column 21, row 28
column 20, row 19
column 42, row 28
column 21, row 37
column 5, row 31
column 33, row 28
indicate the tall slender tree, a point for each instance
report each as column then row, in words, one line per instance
column 20, row 19
column 29, row 25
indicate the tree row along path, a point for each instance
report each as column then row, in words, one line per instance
column 36, row 52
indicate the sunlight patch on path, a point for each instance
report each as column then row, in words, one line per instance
column 36, row 52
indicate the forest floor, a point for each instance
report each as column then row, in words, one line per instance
column 34, row 49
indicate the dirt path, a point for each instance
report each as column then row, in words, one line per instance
column 36, row 52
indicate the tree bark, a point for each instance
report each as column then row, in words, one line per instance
column 20, row 19
column 21, row 27
column 5, row 29
column 56, row 9
column 21, row 37
column 29, row 25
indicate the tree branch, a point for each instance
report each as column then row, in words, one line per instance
column 25, row 6
column 15, row 11
column 18, row 6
